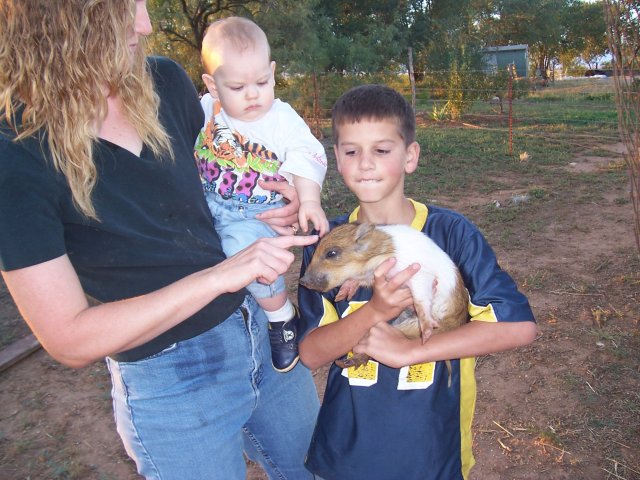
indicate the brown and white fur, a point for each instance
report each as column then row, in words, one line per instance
column 351, row 253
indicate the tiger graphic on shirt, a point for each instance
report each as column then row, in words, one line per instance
column 230, row 165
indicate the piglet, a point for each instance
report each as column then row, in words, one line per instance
column 351, row 252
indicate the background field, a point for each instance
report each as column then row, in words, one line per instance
column 558, row 214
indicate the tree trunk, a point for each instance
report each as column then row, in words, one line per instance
column 412, row 78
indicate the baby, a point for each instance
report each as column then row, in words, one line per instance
column 251, row 135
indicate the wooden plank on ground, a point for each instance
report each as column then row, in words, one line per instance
column 17, row 351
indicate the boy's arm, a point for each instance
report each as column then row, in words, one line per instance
column 387, row 345
column 310, row 207
column 326, row 343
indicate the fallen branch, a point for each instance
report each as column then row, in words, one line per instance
column 561, row 292
column 507, row 431
column 17, row 351
column 508, row 449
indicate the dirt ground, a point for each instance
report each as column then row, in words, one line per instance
column 565, row 407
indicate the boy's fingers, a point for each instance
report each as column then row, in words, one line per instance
column 403, row 276
column 382, row 269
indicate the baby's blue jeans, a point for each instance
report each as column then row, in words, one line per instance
column 238, row 228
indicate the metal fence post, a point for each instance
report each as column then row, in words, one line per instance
column 510, row 97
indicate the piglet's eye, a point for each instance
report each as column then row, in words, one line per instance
column 331, row 254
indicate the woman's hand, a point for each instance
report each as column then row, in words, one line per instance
column 284, row 219
column 263, row 260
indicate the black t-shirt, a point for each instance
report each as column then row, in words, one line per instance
column 154, row 224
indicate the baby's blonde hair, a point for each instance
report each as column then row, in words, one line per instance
column 237, row 32
column 57, row 60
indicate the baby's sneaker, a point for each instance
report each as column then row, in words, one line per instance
column 283, row 337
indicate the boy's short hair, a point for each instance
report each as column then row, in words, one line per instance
column 374, row 102
column 238, row 32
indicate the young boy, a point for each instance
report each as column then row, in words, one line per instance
column 249, row 136
column 396, row 417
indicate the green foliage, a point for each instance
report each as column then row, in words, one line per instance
column 298, row 90
column 296, row 36
column 315, row 37
column 457, row 90
column 440, row 112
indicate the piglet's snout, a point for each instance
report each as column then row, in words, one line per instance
column 314, row 281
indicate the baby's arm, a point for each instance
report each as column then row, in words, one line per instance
column 310, row 207
column 328, row 342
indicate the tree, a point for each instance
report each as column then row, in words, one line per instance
column 623, row 34
column 181, row 24
column 362, row 34
column 586, row 37
column 185, row 21
column 541, row 24
column 295, row 35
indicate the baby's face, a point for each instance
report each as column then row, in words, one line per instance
column 245, row 83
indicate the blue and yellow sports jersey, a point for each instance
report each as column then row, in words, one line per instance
column 381, row 423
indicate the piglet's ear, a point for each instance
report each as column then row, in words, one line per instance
column 363, row 231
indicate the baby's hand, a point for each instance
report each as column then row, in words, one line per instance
column 311, row 212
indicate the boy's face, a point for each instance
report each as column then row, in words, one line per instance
column 373, row 160
column 243, row 82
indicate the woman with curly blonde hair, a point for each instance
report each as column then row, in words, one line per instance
column 100, row 198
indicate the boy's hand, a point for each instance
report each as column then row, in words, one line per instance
column 390, row 293
column 387, row 345
column 311, row 212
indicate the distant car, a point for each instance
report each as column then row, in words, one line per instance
column 594, row 72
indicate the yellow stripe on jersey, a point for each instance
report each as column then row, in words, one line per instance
column 329, row 314
column 418, row 222
column 482, row 314
column 467, row 407
column 353, row 306
column 420, row 218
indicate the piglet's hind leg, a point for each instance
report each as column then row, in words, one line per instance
column 427, row 323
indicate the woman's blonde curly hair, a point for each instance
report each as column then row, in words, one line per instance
column 57, row 60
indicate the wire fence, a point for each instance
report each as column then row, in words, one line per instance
column 581, row 111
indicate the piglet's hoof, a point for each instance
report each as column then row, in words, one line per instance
column 355, row 361
column 343, row 361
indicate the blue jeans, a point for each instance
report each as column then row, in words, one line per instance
column 191, row 410
column 238, row 228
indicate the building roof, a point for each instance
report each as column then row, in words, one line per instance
column 522, row 46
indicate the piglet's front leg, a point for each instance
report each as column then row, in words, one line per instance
column 356, row 360
column 348, row 290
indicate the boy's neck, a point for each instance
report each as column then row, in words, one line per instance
column 401, row 212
